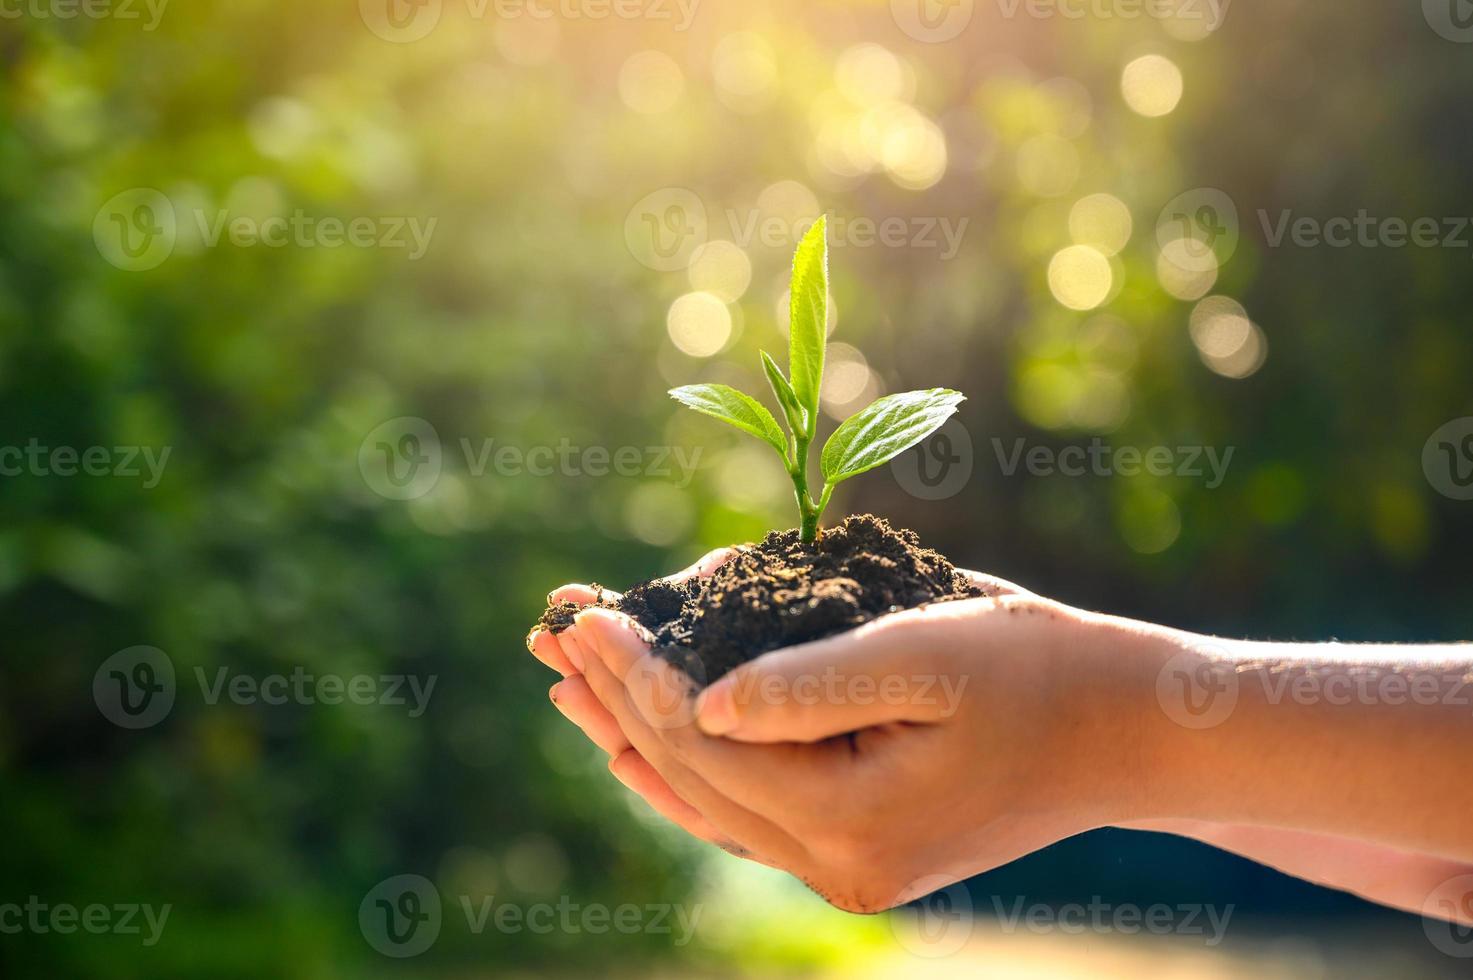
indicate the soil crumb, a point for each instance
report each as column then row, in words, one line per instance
column 781, row 592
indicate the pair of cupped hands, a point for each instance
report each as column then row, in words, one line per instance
column 878, row 765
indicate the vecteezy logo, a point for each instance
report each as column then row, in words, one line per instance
column 1451, row 19
column 400, row 916
column 136, row 230
column 1197, row 693
column 134, row 688
column 661, row 695
column 939, row 467
column 401, row 459
column 932, row 21
column 664, row 229
column 1205, row 220
column 401, row 21
column 1447, row 917
column 1447, row 459
column 939, row 924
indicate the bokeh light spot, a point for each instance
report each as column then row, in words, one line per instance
column 1228, row 342
column 1149, row 520
column 1080, row 277
column 745, row 69
column 1101, row 221
column 650, row 82
column 721, row 269
column 848, row 382
column 1185, row 269
column 868, row 74
column 699, row 324
column 1151, row 85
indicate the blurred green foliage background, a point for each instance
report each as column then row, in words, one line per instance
column 567, row 281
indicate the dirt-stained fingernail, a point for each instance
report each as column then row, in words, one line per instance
column 532, row 638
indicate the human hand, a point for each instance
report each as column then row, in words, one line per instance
column 973, row 732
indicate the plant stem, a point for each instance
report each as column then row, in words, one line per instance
column 809, row 510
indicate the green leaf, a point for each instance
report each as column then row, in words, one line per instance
column 884, row 430
column 809, row 317
column 733, row 407
column 786, row 397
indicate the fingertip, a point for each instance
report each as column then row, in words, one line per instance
column 615, row 638
column 546, row 648
column 619, row 766
column 572, row 651
column 580, row 595
column 716, row 709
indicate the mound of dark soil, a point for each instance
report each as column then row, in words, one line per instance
column 782, row 592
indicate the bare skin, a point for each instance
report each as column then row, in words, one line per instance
column 934, row 744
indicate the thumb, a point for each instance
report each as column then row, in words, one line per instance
column 892, row 670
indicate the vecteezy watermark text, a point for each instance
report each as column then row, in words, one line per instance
column 403, row 458
column 938, row 234
column 1098, row 916
column 139, row 229
column 64, row 919
column 304, row 688
column 1200, row 692
column 1102, row 459
column 1364, row 230
column 834, row 686
column 946, row 919
column 1211, row 12
column 136, row 688
column 665, row 228
column 406, row 21
column 38, row 459
column 568, row 459
column 151, row 12
column 402, row 917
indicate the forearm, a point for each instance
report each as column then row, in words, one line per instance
column 1357, row 742
column 1400, row 879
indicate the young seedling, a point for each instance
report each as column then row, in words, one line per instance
column 870, row 438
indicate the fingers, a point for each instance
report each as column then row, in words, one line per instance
column 991, row 584
column 581, row 595
column 890, row 670
column 544, row 645
column 576, row 700
column 637, row 775
column 652, row 740
column 768, row 779
column 546, row 648
column 705, row 566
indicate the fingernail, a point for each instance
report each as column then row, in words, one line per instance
column 552, row 693
column 532, row 637
column 550, row 595
column 715, row 710
column 617, row 770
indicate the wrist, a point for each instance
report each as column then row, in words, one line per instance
column 1132, row 708
column 1108, row 727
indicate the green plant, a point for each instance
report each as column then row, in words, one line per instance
column 869, row 438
